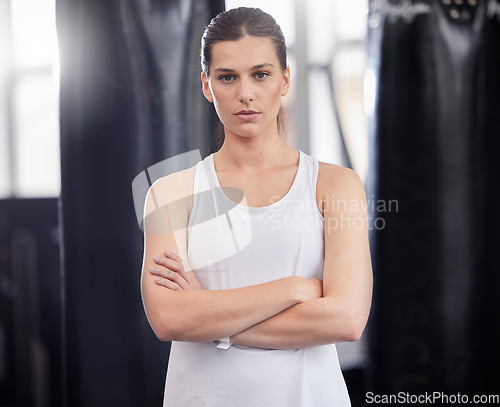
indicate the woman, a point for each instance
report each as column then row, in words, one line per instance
column 255, row 291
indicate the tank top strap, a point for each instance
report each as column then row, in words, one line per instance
column 315, row 170
column 203, row 194
column 306, row 184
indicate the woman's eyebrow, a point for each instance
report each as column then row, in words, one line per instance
column 223, row 70
column 259, row 66
column 266, row 65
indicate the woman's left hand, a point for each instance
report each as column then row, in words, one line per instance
column 173, row 275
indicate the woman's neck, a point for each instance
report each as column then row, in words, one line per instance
column 251, row 153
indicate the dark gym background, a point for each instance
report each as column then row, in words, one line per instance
column 72, row 328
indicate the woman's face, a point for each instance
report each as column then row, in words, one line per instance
column 246, row 84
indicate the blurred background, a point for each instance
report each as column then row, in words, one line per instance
column 405, row 92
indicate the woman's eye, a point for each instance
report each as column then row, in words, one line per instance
column 261, row 75
column 226, row 78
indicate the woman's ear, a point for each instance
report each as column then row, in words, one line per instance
column 286, row 81
column 206, row 87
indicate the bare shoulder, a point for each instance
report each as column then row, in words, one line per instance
column 174, row 186
column 178, row 177
column 174, row 190
column 337, row 182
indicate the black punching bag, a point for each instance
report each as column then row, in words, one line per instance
column 435, row 156
column 130, row 96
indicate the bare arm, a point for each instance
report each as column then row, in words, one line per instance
column 196, row 314
column 341, row 314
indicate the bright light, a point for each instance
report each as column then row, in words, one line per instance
column 33, row 28
column 35, row 99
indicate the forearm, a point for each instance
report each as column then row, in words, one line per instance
column 207, row 315
column 312, row 323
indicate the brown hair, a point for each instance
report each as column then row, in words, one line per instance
column 232, row 25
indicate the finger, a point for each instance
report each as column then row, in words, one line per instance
column 169, row 263
column 169, row 275
column 173, row 256
column 184, row 267
column 185, row 276
column 163, row 273
column 168, row 284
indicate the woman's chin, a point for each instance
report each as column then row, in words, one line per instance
column 247, row 131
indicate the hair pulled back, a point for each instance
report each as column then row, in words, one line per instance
column 232, row 25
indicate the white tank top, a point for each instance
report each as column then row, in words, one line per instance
column 230, row 246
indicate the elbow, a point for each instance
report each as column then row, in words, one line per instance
column 163, row 335
column 166, row 324
column 354, row 333
column 354, row 326
column 171, row 326
column 163, row 328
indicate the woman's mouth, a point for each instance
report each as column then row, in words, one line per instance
column 247, row 115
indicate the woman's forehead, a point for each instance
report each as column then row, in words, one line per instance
column 245, row 53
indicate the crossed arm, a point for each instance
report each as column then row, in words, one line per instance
column 288, row 313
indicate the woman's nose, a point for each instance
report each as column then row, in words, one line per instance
column 246, row 93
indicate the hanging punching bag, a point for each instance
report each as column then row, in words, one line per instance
column 435, row 142
column 130, row 97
